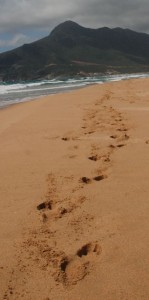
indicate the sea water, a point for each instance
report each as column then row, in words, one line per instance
column 13, row 92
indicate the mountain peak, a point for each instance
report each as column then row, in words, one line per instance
column 72, row 49
column 69, row 23
column 67, row 26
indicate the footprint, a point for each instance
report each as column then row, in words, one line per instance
column 123, row 137
column 71, row 271
column 107, row 158
column 65, row 139
column 93, row 157
column 64, row 263
column 85, row 180
column 113, row 136
column 122, row 129
column 99, row 177
column 44, row 218
column 75, row 268
column 120, row 145
column 45, row 205
column 89, row 248
column 111, row 146
column 89, row 132
column 118, row 119
column 72, row 156
column 62, row 211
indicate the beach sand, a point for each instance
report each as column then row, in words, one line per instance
column 74, row 195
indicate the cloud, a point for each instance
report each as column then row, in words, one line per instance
column 35, row 17
column 15, row 41
column 32, row 13
column 131, row 14
column 22, row 14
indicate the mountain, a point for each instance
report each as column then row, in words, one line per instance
column 71, row 49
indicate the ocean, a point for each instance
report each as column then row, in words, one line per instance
column 13, row 92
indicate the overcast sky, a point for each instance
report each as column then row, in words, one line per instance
column 23, row 21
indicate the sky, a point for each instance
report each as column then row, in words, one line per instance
column 24, row 21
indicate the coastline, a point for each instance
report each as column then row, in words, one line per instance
column 77, row 155
column 28, row 91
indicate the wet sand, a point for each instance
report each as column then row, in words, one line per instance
column 74, row 195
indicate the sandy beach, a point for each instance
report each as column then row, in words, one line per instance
column 74, row 195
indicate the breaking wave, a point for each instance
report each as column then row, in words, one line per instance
column 14, row 92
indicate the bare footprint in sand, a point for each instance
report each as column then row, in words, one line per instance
column 111, row 146
column 89, row 248
column 123, row 137
column 45, row 205
column 93, row 157
column 99, row 177
column 85, row 180
column 65, row 139
column 89, row 132
column 71, row 271
column 120, row 145
column 122, row 129
column 114, row 136
column 75, row 268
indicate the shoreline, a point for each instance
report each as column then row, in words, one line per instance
column 44, row 96
column 87, row 82
column 74, row 195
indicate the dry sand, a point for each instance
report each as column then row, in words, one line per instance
column 74, row 195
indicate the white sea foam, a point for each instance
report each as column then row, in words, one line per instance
column 18, row 92
column 59, row 84
column 50, row 88
column 21, row 88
